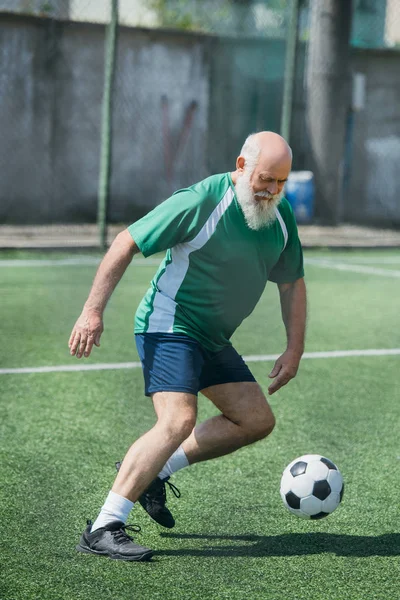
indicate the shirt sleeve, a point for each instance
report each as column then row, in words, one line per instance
column 178, row 219
column 290, row 266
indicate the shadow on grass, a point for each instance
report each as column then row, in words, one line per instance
column 290, row 544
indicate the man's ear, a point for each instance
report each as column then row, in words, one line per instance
column 240, row 162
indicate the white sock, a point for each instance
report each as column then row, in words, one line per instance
column 176, row 462
column 115, row 508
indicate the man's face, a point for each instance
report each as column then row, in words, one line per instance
column 269, row 178
column 260, row 191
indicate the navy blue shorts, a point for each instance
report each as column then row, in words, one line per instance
column 174, row 362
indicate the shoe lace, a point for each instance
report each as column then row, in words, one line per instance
column 121, row 534
column 173, row 489
column 158, row 493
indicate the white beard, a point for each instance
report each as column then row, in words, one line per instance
column 257, row 213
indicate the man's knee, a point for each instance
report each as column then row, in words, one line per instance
column 180, row 426
column 176, row 414
column 260, row 427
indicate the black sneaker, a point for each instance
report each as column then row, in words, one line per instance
column 154, row 499
column 113, row 541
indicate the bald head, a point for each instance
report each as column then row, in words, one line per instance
column 266, row 158
column 273, row 144
column 266, row 146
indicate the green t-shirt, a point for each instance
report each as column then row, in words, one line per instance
column 216, row 267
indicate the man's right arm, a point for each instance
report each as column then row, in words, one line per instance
column 89, row 326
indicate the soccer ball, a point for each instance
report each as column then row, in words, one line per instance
column 311, row 486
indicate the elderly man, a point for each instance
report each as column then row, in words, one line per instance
column 224, row 237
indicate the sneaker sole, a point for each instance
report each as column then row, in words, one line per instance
column 168, row 525
column 137, row 558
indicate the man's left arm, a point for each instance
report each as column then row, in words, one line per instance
column 293, row 300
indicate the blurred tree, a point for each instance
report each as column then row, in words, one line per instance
column 220, row 16
column 43, row 8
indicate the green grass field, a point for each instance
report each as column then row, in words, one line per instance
column 61, row 433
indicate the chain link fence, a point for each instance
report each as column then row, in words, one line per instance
column 372, row 148
column 192, row 78
column 347, row 106
column 173, row 83
column 51, row 91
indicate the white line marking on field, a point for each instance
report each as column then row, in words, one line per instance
column 60, row 262
column 249, row 358
column 67, row 368
column 327, row 264
column 328, row 354
column 368, row 260
column 73, row 262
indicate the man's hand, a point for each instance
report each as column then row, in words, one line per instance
column 89, row 327
column 86, row 332
column 284, row 370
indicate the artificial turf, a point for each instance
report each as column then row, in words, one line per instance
column 60, row 434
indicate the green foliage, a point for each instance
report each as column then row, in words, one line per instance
column 46, row 7
column 209, row 15
column 177, row 17
column 186, row 14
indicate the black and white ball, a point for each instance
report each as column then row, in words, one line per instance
column 311, row 486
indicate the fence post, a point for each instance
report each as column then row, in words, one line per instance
column 328, row 101
column 290, row 67
column 106, row 124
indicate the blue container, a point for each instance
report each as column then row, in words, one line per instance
column 300, row 192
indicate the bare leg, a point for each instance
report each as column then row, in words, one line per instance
column 246, row 417
column 176, row 413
